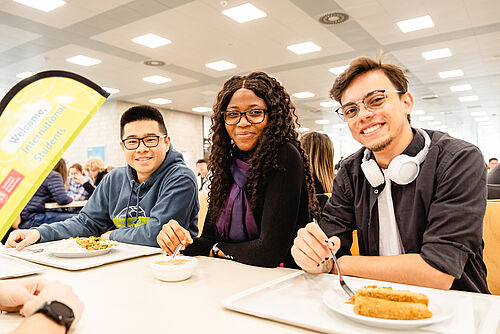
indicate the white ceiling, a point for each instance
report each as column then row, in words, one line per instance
column 31, row 40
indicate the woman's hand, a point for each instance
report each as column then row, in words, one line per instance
column 171, row 235
column 79, row 178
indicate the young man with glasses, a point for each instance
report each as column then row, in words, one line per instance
column 416, row 197
column 132, row 203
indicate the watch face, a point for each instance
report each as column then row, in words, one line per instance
column 61, row 309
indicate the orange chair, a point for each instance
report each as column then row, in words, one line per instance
column 203, row 198
column 491, row 237
column 355, row 246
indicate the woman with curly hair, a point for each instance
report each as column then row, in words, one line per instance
column 261, row 189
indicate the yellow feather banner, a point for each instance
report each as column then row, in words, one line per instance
column 39, row 119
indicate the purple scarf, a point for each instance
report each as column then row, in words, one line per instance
column 236, row 222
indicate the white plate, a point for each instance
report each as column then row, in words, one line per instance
column 83, row 253
column 335, row 300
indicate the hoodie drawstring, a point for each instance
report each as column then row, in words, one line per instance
column 136, row 206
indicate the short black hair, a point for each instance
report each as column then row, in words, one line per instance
column 141, row 113
column 201, row 161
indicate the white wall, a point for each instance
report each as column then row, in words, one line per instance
column 185, row 131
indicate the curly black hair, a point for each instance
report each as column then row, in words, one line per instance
column 281, row 128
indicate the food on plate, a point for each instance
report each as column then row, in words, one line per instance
column 173, row 262
column 386, row 303
column 82, row 244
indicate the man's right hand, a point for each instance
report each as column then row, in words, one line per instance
column 310, row 250
column 171, row 235
column 19, row 239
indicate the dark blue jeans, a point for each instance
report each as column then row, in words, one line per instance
column 45, row 218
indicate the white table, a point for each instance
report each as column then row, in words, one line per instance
column 124, row 297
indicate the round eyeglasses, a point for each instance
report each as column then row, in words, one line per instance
column 148, row 141
column 373, row 101
column 253, row 116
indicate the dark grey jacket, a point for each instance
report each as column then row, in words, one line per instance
column 439, row 215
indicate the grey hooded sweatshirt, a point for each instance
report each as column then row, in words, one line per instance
column 169, row 193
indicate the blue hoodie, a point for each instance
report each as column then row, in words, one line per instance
column 169, row 193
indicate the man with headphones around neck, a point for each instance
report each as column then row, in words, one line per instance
column 416, row 197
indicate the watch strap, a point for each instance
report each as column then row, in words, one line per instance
column 59, row 312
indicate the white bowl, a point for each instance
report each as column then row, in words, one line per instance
column 165, row 270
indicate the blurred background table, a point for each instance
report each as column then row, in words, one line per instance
column 74, row 204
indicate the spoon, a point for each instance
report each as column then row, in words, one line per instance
column 177, row 249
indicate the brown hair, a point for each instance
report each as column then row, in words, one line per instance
column 60, row 167
column 319, row 150
column 77, row 166
column 362, row 65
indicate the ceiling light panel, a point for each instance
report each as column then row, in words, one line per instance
column 24, row 75
column 201, row 109
column 426, row 118
column 111, row 90
column 83, row 60
column 303, row 129
column 338, row 70
column 468, row 98
column 43, row 5
column 418, row 23
column 460, row 88
column 451, row 74
column 322, row 121
column 436, row 54
column 303, row 48
column 151, row 40
column 303, row 95
column 157, row 79
column 160, row 100
column 221, row 65
column 418, row 112
column 244, row 13
column 478, row 113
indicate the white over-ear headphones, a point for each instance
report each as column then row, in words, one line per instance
column 403, row 169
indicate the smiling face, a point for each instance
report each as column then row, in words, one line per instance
column 386, row 132
column 145, row 160
column 245, row 134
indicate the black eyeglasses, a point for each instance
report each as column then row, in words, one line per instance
column 373, row 101
column 253, row 116
column 148, row 141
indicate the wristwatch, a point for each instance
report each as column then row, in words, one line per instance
column 59, row 312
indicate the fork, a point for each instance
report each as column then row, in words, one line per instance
column 343, row 284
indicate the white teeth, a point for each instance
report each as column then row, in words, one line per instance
column 371, row 129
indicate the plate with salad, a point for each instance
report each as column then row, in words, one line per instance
column 81, row 247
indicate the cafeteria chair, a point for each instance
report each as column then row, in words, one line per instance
column 203, row 198
column 491, row 237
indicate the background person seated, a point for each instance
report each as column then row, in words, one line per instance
column 77, row 183
column 319, row 150
column 52, row 189
column 97, row 170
